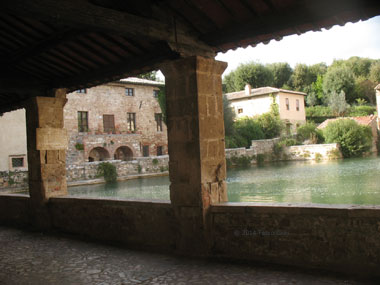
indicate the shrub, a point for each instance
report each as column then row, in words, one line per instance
column 358, row 111
column 318, row 111
column 260, row 159
column 309, row 131
column 240, row 160
column 270, row 124
column 246, row 130
column 79, row 146
column 154, row 161
column 108, row 171
column 354, row 139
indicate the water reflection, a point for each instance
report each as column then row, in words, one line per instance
column 352, row 181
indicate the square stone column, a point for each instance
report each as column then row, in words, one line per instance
column 46, row 145
column 197, row 165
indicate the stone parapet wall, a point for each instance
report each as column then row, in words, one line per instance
column 142, row 165
column 334, row 237
column 236, row 152
column 88, row 171
column 263, row 146
column 313, row 152
column 13, row 179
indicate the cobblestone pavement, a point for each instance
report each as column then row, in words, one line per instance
column 35, row 258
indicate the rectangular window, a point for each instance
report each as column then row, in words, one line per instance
column 131, row 121
column 240, row 110
column 129, row 91
column 158, row 118
column 297, row 105
column 82, row 121
column 109, row 123
column 287, row 103
column 155, row 93
column 146, row 150
column 159, row 150
column 17, row 162
column 83, row 91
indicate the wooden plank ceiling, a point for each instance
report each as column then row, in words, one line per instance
column 72, row 44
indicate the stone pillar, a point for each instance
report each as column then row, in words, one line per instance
column 46, row 144
column 196, row 145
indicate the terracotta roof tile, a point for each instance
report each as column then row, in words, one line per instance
column 364, row 120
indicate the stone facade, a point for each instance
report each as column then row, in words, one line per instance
column 124, row 141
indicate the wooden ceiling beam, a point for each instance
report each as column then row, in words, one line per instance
column 77, row 13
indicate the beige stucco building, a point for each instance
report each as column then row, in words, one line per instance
column 13, row 141
column 252, row 102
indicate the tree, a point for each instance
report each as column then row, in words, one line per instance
column 337, row 103
column 364, row 89
column 301, row 77
column 339, row 79
column 255, row 74
column 149, row 75
column 228, row 116
column 354, row 139
column 374, row 74
column 281, row 72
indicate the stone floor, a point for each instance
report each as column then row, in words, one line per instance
column 36, row 258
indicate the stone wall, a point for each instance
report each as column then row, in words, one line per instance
column 313, row 152
column 341, row 238
column 296, row 152
column 142, row 165
column 264, row 146
column 13, row 179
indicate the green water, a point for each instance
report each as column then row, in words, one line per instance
column 350, row 181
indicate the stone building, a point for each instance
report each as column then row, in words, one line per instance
column 119, row 120
column 50, row 48
column 252, row 102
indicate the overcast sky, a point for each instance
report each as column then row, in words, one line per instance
column 358, row 39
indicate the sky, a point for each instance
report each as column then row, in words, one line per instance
column 340, row 42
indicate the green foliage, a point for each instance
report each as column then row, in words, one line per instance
column 270, row 124
column 337, row 103
column 361, row 101
column 79, row 146
column 281, row 72
column 260, row 159
column 318, row 157
column 374, row 74
column 108, row 171
column 338, row 79
column 357, row 111
column 162, row 102
column 228, row 116
column 288, row 142
column 154, row 161
column 149, row 75
column 318, row 111
column 301, row 78
column 256, row 74
column 354, row 139
column 139, row 168
column 243, row 161
column 246, row 130
column 310, row 132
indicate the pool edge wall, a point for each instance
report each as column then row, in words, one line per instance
column 332, row 237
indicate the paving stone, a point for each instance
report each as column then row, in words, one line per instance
column 34, row 259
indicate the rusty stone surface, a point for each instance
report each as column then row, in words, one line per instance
column 46, row 154
column 197, row 166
